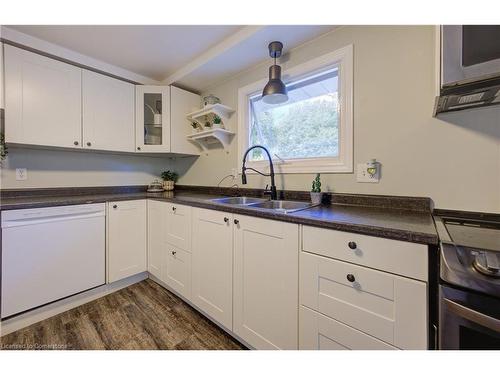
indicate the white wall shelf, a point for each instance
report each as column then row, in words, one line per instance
column 223, row 111
column 205, row 138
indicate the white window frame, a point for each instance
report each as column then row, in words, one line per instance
column 341, row 58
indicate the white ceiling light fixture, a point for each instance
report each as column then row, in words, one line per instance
column 275, row 91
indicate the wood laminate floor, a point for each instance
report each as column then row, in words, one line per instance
column 142, row 316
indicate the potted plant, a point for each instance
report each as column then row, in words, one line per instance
column 207, row 125
column 169, row 179
column 195, row 127
column 316, row 194
column 217, row 122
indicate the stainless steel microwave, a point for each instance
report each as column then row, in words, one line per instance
column 469, row 53
column 470, row 67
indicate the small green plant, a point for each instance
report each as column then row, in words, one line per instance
column 316, row 184
column 169, row 176
column 217, row 119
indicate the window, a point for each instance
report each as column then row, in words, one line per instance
column 312, row 131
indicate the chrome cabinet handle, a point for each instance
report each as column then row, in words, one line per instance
column 75, row 143
column 352, row 245
column 115, row 206
column 139, row 148
column 236, row 221
column 89, row 144
column 226, row 219
column 351, row 278
column 174, row 252
column 174, row 208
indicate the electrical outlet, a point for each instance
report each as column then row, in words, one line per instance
column 363, row 175
column 21, row 174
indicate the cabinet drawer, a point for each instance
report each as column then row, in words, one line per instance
column 388, row 307
column 178, row 226
column 399, row 257
column 318, row 332
column 177, row 272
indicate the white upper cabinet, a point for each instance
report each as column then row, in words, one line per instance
column 266, row 266
column 181, row 103
column 152, row 118
column 108, row 113
column 42, row 100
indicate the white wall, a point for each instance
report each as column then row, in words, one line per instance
column 454, row 161
column 57, row 168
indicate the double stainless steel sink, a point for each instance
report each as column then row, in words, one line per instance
column 285, row 207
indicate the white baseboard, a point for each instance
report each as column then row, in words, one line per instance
column 33, row 316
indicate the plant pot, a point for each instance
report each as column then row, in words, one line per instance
column 168, row 185
column 217, row 126
column 316, row 198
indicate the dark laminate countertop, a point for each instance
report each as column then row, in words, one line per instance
column 399, row 224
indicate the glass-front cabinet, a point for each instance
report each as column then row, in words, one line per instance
column 152, row 118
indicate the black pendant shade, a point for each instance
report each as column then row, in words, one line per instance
column 275, row 91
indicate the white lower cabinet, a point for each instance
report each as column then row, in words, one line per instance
column 176, row 270
column 157, row 212
column 212, row 264
column 319, row 332
column 254, row 277
column 126, row 239
column 266, row 261
column 166, row 261
column 178, row 226
column 388, row 307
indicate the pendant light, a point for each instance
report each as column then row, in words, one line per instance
column 275, row 91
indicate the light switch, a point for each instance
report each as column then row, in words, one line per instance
column 21, row 174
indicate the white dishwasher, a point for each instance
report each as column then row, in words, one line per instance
column 51, row 253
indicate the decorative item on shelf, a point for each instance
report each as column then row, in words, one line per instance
column 152, row 139
column 195, row 126
column 210, row 99
column 3, row 147
column 316, row 194
column 207, row 125
column 217, row 122
column 155, row 187
column 156, row 114
column 169, row 180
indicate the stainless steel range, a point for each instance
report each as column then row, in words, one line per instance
column 469, row 291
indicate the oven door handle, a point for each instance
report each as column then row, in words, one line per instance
column 473, row 316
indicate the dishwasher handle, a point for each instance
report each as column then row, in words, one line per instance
column 51, row 219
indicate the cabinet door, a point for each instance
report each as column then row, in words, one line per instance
column 176, row 271
column 182, row 102
column 152, row 125
column 108, row 113
column 319, row 332
column 212, row 262
column 266, row 277
column 42, row 100
column 178, row 226
column 157, row 250
column 126, row 239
